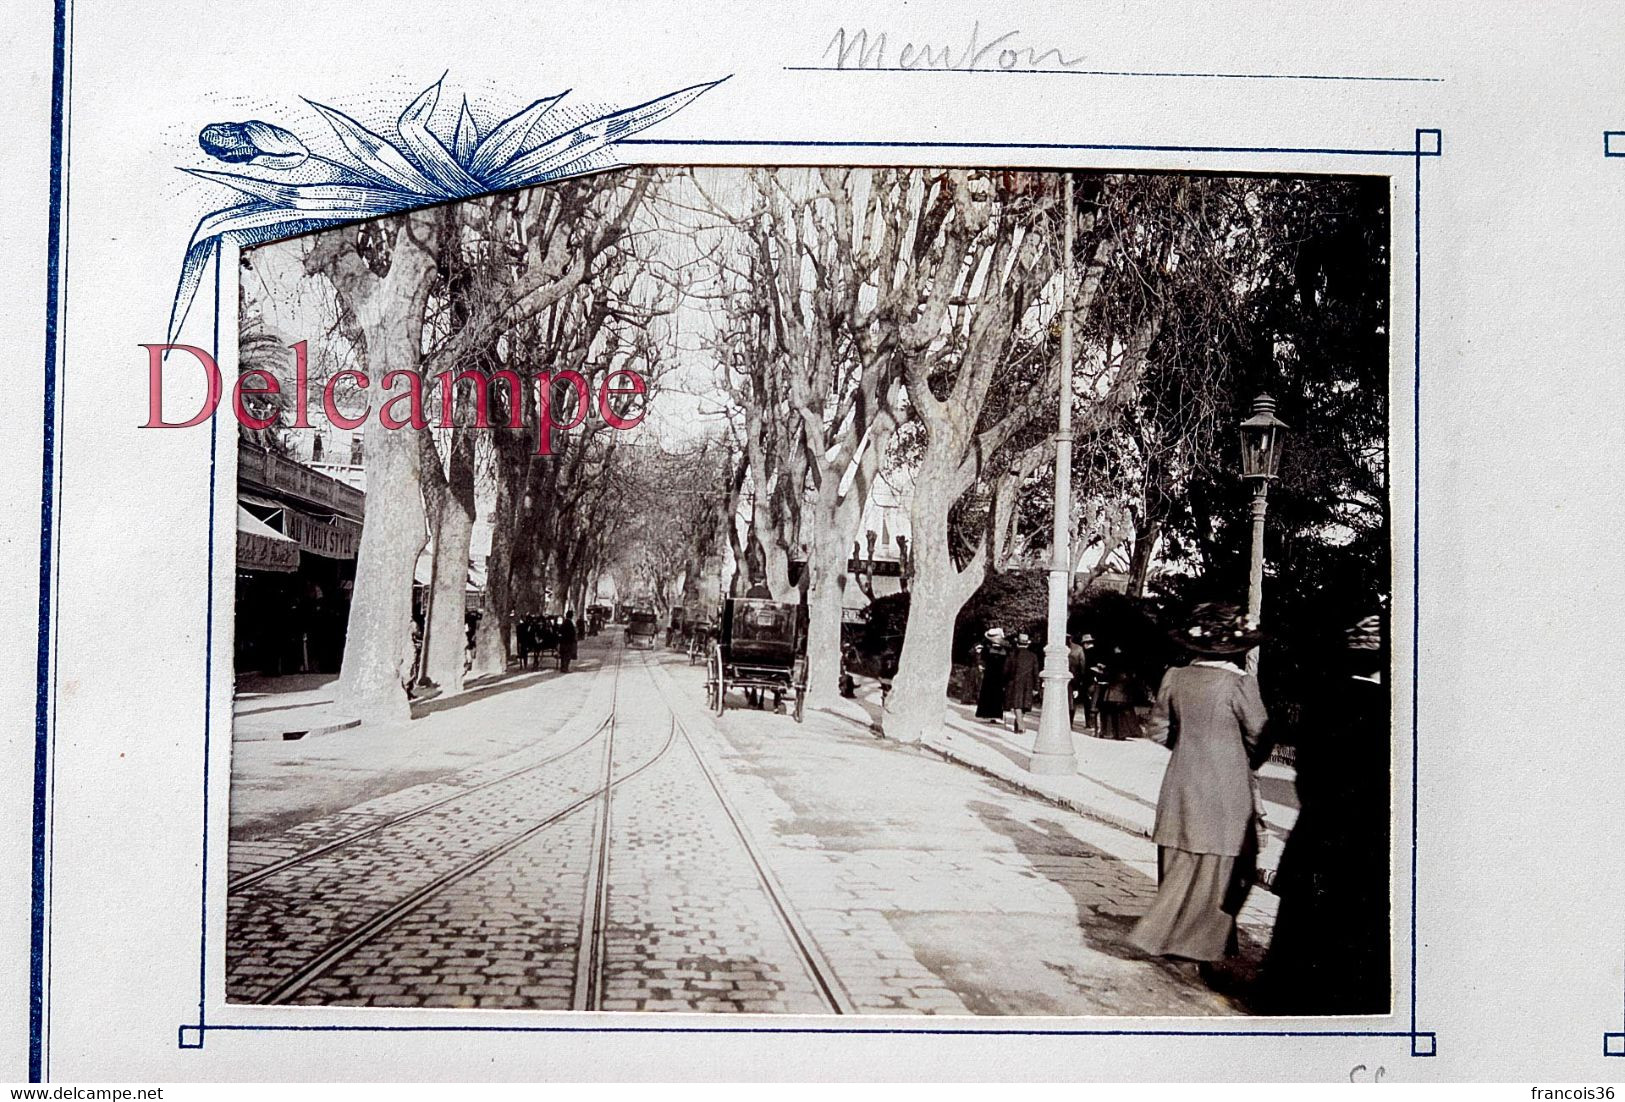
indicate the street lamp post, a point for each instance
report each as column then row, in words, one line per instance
column 1052, row 753
column 1261, row 437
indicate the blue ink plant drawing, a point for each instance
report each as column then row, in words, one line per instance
column 377, row 175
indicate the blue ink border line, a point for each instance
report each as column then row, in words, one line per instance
column 37, row 983
column 1613, row 145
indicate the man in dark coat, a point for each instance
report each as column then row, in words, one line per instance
column 1077, row 665
column 567, row 642
column 1330, row 950
column 1023, row 681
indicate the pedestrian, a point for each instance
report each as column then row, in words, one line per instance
column 1022, row 683
column 990, row 700
column 1329, row 951
column 1120, row 700
column 1077, row 686
column 1210, row 714
column 567, row 642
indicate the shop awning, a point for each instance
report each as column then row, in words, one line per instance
column 246, row 498
column 261, row 547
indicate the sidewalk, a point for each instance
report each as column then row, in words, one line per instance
column 279, row 783
column 288, row 707
column 297, row 706
column 1116, row 783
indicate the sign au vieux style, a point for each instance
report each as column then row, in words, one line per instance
column 338, row 540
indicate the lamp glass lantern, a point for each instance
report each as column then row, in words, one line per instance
column 1261, row 438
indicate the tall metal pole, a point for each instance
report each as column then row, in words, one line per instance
column 1053, row 751
column 1255, row 572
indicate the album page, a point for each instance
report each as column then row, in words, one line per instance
column 737, row 541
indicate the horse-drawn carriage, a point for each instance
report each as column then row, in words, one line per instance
column 642, row 626
column 761, row 648
column 538, row 637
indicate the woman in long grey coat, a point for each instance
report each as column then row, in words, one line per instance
column 1211, row 716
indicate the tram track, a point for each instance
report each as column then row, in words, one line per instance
column 249, row 879
column 238, row 883
column 590, row 978
column 587, row 991
column 590, row 946
column 811, row 958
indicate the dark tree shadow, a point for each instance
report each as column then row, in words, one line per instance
column 1047, row 844
column 1017, row 757
column 487, row 687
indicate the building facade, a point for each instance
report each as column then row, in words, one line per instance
column 298, row 532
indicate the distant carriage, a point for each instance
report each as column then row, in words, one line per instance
column 642, row 628
column 538, row 637
column 761, row 648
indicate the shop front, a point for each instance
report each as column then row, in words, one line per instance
column 298, row 532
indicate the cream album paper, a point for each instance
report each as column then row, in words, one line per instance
column 734, row 541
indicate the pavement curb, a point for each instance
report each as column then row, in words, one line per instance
column 294, row 734
column 1265, row 876
column 326, row 729
column 1015, row 780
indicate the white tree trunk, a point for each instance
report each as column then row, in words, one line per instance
column 918, row 699
column 915, row 705
column 378, row 641
column 447, row 641
column 826, row 574
column 491, row 642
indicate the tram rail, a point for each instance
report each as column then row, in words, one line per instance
column 588, row 988
column 264, row 872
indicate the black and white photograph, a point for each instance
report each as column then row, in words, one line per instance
column 810, row 590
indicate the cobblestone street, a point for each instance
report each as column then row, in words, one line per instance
column 742, row 864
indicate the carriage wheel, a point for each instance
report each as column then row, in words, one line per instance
column 801, row 703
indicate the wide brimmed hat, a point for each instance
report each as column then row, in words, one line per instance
column 994, row 635
column 1218, row 629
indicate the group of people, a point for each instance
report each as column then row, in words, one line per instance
column 1329, row 952
column 1007, row 672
